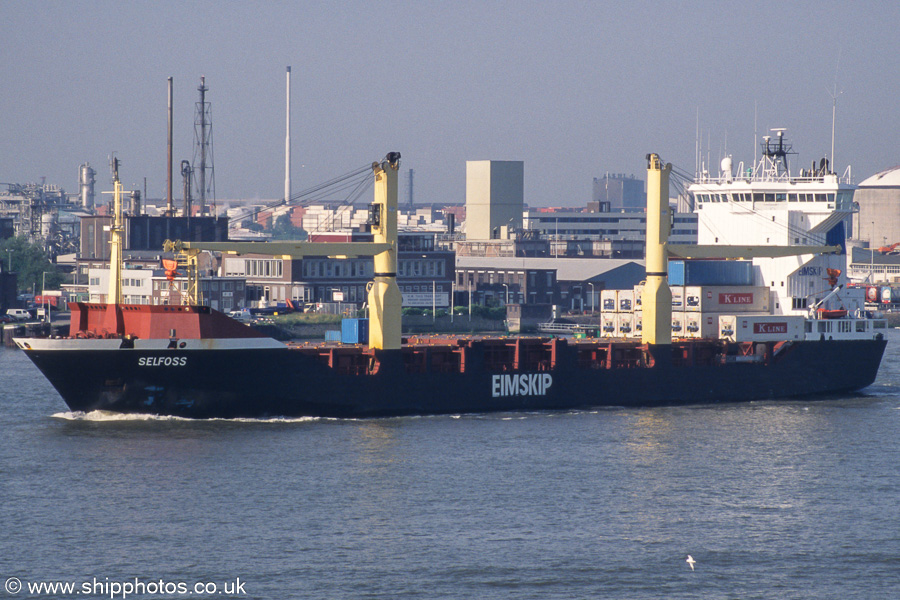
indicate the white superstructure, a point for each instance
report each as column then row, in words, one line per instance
column 763, row 204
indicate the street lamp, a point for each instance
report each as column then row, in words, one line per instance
column 872, row 259
column 507, row 292
column 592, row 296
column 44, row 294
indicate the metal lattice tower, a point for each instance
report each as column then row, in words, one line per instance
column 204, row 171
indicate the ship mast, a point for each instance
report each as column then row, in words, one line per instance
column 657, row 297
column 115, row 240
column 385, row 300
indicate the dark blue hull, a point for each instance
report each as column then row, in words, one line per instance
column 283, row 382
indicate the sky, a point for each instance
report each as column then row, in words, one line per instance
column 573, row 89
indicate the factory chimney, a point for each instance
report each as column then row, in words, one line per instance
column 287, row 143
column 170, row 211
column 203, row 143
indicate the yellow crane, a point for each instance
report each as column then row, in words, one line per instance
column 384, row 297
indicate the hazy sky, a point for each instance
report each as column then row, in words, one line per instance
column 575, row 89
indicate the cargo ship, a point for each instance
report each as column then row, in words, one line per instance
column 192, row 361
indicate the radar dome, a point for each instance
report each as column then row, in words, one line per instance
column 726, row 165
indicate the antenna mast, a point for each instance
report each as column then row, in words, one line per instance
column 834, row 95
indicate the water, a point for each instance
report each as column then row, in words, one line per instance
column 772, row 499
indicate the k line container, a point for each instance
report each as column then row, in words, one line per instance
column 761, row 328
column 722, row 299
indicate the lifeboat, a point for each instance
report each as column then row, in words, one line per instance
column 831, row 313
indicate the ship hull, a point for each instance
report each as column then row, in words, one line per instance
column 270, row 381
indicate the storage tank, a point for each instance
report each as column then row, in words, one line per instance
column 86, row 185
column 47, row 221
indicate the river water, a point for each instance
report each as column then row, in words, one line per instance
column 790, row 499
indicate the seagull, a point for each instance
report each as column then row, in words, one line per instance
column 690, row 560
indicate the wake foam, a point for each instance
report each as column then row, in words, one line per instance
column 106, row 416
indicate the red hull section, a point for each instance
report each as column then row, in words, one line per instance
column 146, row 322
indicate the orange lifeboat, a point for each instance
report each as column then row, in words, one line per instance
column 831, row 313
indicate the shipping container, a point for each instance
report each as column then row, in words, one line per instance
column 609, row 300
column 678, row 324
column 761, row 328
column 638, row 292
column 886, row 295
column 710, row 272
column 355, row 331
column 608, row 324
column 332, row 335
column 701, row 325
column 677, row 297
column 638, row 323
column 625, row 323
column 626, row 301
column 727, row 299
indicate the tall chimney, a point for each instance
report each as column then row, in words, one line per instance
column 170, row 211
column 287, row 143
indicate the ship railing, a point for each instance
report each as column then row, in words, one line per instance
column 557, row 327
column 764, row 176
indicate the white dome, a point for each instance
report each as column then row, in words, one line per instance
column 887, row 178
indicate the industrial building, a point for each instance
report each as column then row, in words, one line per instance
column 575, row 224
column 614, row 192
column 43, row 213
column 495, row 198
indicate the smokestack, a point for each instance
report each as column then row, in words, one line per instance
column 169, row 210
column 287, row 143
column 136, row 203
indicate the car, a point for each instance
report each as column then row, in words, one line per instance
column 243, row 316
column 19, row 314
column 7, row 319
